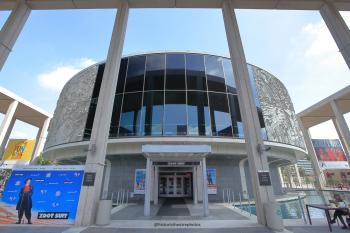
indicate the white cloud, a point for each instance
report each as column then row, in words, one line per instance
column 19, row 135
column 56, row 78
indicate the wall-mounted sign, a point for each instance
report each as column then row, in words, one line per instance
column 175, row 163
column 264, row 178
column 89, row 179
column 140, row 180
column 49, row 194
column 211, row 178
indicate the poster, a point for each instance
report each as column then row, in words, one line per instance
column 140, row 179
column 18, row 152
column 330, row 154
column 211, row 177
column 53, row 192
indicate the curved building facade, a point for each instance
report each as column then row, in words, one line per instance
column 174, row 99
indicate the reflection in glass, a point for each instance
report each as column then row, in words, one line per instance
column 130, row 118
column 175, row 72
column 195, row 72
column 215, row 74
column 113, row 132
column 229, row 76
column 122, row 75
column 135, row 75
column 220, row 115
column 152, row 113
column 236, row 118
column 198, row 113
column 175, row 119
column 155, row 68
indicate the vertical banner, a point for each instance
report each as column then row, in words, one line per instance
column 330, row 154
column 211, row 177
column 140, row 179
column 41, row 195
column 18, row 152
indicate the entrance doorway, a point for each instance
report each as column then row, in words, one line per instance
column 175, row 184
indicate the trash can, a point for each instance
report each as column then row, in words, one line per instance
column 274, row 221
column 104, row 212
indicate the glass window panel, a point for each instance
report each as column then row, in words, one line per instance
column 113, row 132
column 152, row 113
column 215, row 74
column 130, row 118
column 135, row 75
column 155, row 68
column 175, row 72
column 198, row 113
column 195, row 72
column 236, row 118
column 122, row 75
column 175, row 117
column 220, row 115
column 229, row 76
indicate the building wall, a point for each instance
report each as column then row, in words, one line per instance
column 278, row 111
column 68, row 123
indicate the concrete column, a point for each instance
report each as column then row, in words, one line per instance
column 338, row 28
column 107, row 175
column 297, row 173
column 156, row 185
column 11, row 30
column 205, row 188
column 7, row 125
column 95, row 159
column 243, row 178
column 195, row 184
column 342, row 128
column 281, row 176
column 147, row 207
column 252, row 130
column 6, row 137
column 312, row 154
column 40, row 139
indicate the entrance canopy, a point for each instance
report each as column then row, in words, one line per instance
column 176, row 152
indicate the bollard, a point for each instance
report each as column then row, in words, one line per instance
column 273, row 220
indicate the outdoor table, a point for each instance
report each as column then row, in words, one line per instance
column 326, row 209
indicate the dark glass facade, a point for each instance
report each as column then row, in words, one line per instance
column 174, row 94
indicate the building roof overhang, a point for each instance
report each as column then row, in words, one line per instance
column 322, row 111
column 240, row 4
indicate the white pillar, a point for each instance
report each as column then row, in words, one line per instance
column 107, row 175
column 195, row 189
column 243, row 178
column 312, row 155
column 252, row 129
column 147, row 207
column 205, row 188
column 7, row 124
column 40, row 139
column 297, row 173
column 11, row 29
column 6, row 137
column 156, row 185
column 342, row 128
column 337, row 28
column 90, row 195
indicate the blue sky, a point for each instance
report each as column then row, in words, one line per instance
column 295, row 46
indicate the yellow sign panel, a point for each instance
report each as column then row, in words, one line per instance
column 19, row 149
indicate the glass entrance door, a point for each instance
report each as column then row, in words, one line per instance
column 175, row 185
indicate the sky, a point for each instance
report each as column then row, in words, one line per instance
column 295, row 46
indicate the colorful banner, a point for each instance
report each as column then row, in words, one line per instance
column 140, row 179
column 211, row 177
column 330, row 154
column 41, row 194
column 19, row 149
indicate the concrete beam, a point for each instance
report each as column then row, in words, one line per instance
column 338, row 28
column 254, row 143
column 11, row 29
column 96, row 155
